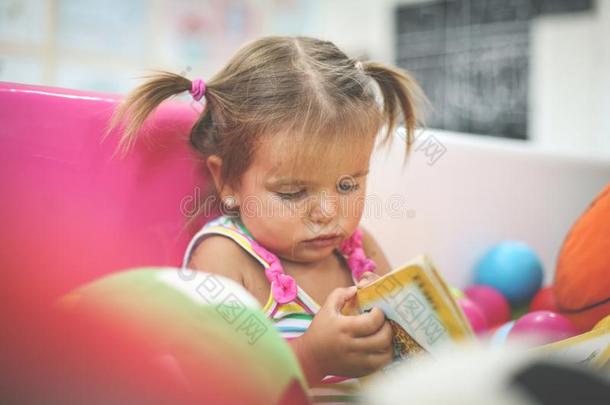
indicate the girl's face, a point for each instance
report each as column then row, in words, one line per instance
column 284, row 207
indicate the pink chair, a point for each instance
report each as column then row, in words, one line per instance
column 69, row 211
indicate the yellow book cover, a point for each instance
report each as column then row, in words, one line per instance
column 419, row 306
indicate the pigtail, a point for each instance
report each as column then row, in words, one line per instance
column 401, row 95
column 141, row 102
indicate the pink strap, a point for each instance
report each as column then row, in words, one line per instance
column 356, row 258
column 284, row 287
column 197, row 89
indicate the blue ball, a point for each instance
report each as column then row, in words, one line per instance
column 513, row 268
column 500, row 335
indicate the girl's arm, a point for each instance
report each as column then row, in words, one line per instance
column 351, row 346
column 219, row 255
column 310, row 367
column 343, row 345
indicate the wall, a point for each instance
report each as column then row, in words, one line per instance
column 460, row 195
column 570, row 68
column 570, row 82
column 116, row 42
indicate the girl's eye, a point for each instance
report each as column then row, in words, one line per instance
column 291, row 196
column 347, row 186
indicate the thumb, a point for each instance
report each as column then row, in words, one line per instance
column 339, row 297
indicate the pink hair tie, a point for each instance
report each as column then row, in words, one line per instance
column 197, row 89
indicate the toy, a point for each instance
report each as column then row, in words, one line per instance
column 543, row 327
column 513, row 268
column 474, row 314
column 603, row 324
column 582, row 277
column 203, row 330
column 499, row 336
column 518, row 311
column 544, row 300
column 493, row 304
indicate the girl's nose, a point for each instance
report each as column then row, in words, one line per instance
column 325, row 209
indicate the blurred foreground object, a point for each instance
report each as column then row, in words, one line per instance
column 476, row 375
column 152, row 336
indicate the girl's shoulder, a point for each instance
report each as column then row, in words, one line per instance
column 220, row 248
column 227, row 224
column 218, row 255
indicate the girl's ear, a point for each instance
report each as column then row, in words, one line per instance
column 214, row 164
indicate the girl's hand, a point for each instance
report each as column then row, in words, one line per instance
column 345, row 345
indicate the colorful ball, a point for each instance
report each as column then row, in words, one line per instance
column 582, row 284
column 202, row 329
column 493, row 304
column 500, row 335
column 543, row 327
column 518, row 311
column 513, row 268
column 473, row 313
column 603, row 324
column 544, row 300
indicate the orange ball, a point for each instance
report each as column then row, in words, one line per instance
column 582, row 277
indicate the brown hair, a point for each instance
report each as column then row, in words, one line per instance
column 298, row 85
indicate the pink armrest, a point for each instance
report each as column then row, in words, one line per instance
column 71, row 213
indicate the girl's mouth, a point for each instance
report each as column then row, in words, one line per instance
column 323, row 241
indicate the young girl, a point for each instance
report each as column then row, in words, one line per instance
column 287, row 133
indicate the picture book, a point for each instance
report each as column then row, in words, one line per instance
column 419, row 306
column 425, row 317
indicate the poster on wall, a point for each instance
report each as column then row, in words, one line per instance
column 114, row 28
column 24, row 22
column 202, row 35
column 472, row 58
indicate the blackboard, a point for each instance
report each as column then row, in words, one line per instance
column 472, row 59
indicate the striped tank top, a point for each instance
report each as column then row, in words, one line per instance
column 292, row 318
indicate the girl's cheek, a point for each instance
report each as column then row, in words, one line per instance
column 283, row 209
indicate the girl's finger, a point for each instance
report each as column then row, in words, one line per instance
column 367, row 323
column 381, row 341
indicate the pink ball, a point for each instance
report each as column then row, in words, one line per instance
column 491, row 301
column 473, row 313
column 544, row 300
column 543, row 327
